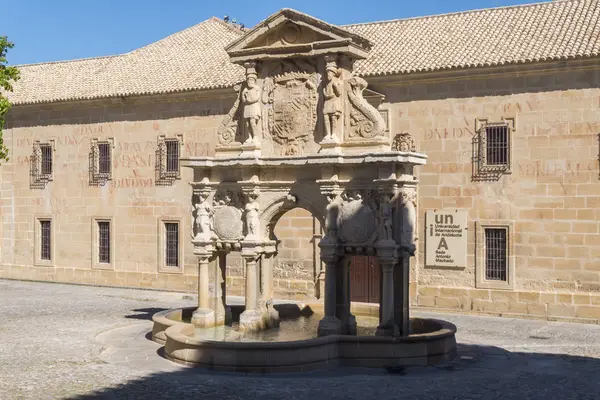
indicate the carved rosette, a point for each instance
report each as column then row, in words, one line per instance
column 365, row 122
column 227, row 216
column 404, row 142
column 357, row 219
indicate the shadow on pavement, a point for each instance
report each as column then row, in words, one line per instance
column 144, row 313
column 479, row 372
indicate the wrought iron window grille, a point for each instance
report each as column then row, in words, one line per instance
column 45, row 242
column 104, row 242
column 101, row 161
column 171, row 244
column 41, row 164
column 491, row 156
column 168, row 152
column 496, row 254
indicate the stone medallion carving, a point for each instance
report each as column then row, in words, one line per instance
column 227, row 217
column 292, row 116
column 403, row 142
column 357, row 218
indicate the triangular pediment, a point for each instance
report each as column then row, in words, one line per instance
column 290, row 33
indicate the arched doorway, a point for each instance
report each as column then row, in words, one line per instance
column 297, row 266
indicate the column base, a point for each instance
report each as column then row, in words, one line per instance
column 349, row 326
column 329, row 326
column 387, row 330
column 206, row 318
column 271, row 317
column 252, row 320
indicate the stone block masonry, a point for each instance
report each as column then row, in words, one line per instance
column 550, row 198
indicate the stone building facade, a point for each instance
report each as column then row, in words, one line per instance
column 510, row 124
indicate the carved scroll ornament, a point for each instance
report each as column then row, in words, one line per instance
column 365, row 121
column 403, row 142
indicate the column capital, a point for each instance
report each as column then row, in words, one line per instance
column 387, row 253
column 408, row 194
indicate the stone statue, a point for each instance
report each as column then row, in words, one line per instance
column 386, row 217
column 251, row 96
column 252, row 219
column 409, row 219
column 332, row 106
column 203, row 215
column 331, row 217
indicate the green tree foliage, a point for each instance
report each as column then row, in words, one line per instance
column 8, row 75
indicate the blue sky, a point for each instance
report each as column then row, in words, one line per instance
column 50, row 30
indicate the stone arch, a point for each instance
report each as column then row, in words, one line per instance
column 282, row 204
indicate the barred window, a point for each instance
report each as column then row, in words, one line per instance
column 104, row 242
column 46, row 160
column 172, row 155
column 104, row 163
column 496, row 145
column 45, row 242
column 172, row 244
column 496, row 249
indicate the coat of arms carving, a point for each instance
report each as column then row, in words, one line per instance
column 292, row 117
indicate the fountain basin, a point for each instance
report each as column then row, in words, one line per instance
column 431, row 342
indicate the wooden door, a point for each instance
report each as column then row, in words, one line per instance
column 364, row 279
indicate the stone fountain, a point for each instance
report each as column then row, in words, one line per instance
column 302, row 134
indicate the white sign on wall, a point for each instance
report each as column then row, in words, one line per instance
column 446, row 238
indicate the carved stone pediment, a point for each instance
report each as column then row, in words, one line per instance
column 295, row 34
column 300, row 94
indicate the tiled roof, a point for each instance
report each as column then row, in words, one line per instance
column 196, row 59
column 496, row 36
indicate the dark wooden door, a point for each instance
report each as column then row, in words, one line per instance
column 364, row 279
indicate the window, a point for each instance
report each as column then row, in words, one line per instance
column 492, row 149
column 167, row 160
column 43, row 250
column 497, row 145
column 41, row 164
column 172, row 155
column 104, row 242
column 104, row 158
column 100, row 161
column 46, row 151
column 172, row 244
column 46, row 235
column 495, row 254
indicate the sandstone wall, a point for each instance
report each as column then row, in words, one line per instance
column 132, row 200
column 550, row 199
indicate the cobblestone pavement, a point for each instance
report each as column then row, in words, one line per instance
column 78, row 342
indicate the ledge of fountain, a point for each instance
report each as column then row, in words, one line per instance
column 432, row 341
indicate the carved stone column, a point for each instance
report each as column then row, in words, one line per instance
column 387, row 325
column 203, row 316
column 407, row 219
column 342, row 309
column 330, row 324
column 252, row 318
column 271, row 315
column 218, row 302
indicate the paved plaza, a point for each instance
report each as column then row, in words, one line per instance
column 83, row 342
